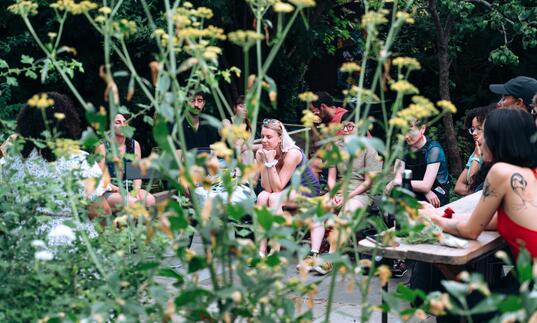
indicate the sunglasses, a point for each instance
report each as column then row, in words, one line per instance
column 267, row 122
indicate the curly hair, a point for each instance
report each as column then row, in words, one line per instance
column 30, row 124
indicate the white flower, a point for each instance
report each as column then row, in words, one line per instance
column 38, row 244
column 62, row 233
column 44, row 255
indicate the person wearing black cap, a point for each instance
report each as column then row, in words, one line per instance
column 516, row 93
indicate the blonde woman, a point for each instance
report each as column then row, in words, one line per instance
column 279, row 158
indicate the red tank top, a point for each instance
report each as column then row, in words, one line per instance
column 516, row 235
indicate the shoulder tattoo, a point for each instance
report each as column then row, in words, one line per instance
column 518, row 185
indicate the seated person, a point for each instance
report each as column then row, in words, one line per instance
column 50, row 169
column 427, row 160
column 241, row 118
column 198, row 134
column 125, row 146
column 366, row 161
column 510, row 187
column 279, row 159
column 516, row 93
column 468, row 177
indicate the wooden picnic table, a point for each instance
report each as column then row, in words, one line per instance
column 450, row 261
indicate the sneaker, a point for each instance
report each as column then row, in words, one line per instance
column 324, row 268
column 399, row 268
column 308, row 262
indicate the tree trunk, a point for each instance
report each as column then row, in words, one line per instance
column 442, row 41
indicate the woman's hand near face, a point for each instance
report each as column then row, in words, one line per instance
column 270, row 155
column 477, row 150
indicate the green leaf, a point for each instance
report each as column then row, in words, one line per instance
column 196, row 263
column 191, row 296
column 510, row 304
column 273, row 260
column 264, row 218
column 160, row 133
column 147, row 119
column 164, row 83
column 489, row 304
column 128, row 131
column 25, row 59
column 178, row 223
column 146, row 266
column 11, row 81
column 168, row 272
column 3, row 64
column 89, row 139
column 459, row 290
column 31, row 74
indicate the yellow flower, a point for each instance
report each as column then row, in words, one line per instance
column 212, row 52
column 384, row 274
column 181, row 21
column 73, row 7
column 282, row 7
column 309, row 118
column 409, row 62
column 24, row 8
column 349, row 67
column 308, row 96
column 404, row 87
column 406, row 17
column 59, row 115
column 234, row 132
column 365, row 94
column 221, row 150
column 40, row 101
column 420, row 314
column 187, row 5
column 105, row 10
column 244, row 38
column 303, row 3
column 64, row 147
column 52, row 35
column 421, row 108
column 203, row 12
column 374, row 18
column 137, row 210
column 447, row 105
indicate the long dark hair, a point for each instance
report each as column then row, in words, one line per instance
column 241, row 100
column 30, row 124
column 508, row 135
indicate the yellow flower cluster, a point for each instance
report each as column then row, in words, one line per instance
column 181, row 20
column 406, row 17
column 365, row 94
column 105, row 10
column 308, row 96
column 398, row 122
column 309, row 118
column 73, row 7
column 447, row 105
column 244, row 38
column 137, row 210
column 373, row 18
column 125, row 27
column 410, row 62
column 221, row 150
column 234, row 132
column 40, row 101
column 421, row 108
column 212, row 52
column 64, row 147
column 303, row 3
column 404, row 87
column 349, row 67
column 211, row 32
column 282, row 7
column 188, row 10
column 24, row 8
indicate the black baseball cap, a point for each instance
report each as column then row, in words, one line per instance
column 520, row 87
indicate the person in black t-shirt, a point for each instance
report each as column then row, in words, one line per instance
column 198, row 134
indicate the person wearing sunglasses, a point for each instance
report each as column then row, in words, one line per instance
column 279, row 158
column 468, row 181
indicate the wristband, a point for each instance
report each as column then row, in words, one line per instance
column 478, row 160
column 271, row 164
column 448, row 213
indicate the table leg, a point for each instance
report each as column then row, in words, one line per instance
column 384, row 314
column 450, row 272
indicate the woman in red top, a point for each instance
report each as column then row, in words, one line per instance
column 509, row 200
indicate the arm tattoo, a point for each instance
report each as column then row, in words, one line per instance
column 488, row 190
column 519, row 185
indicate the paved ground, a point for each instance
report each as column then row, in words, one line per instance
column 346, row 303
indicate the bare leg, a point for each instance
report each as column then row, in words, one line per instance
column 317, row 235
column 147, row 198
column 116, row 201
column 263, row 200
column 351, row 206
